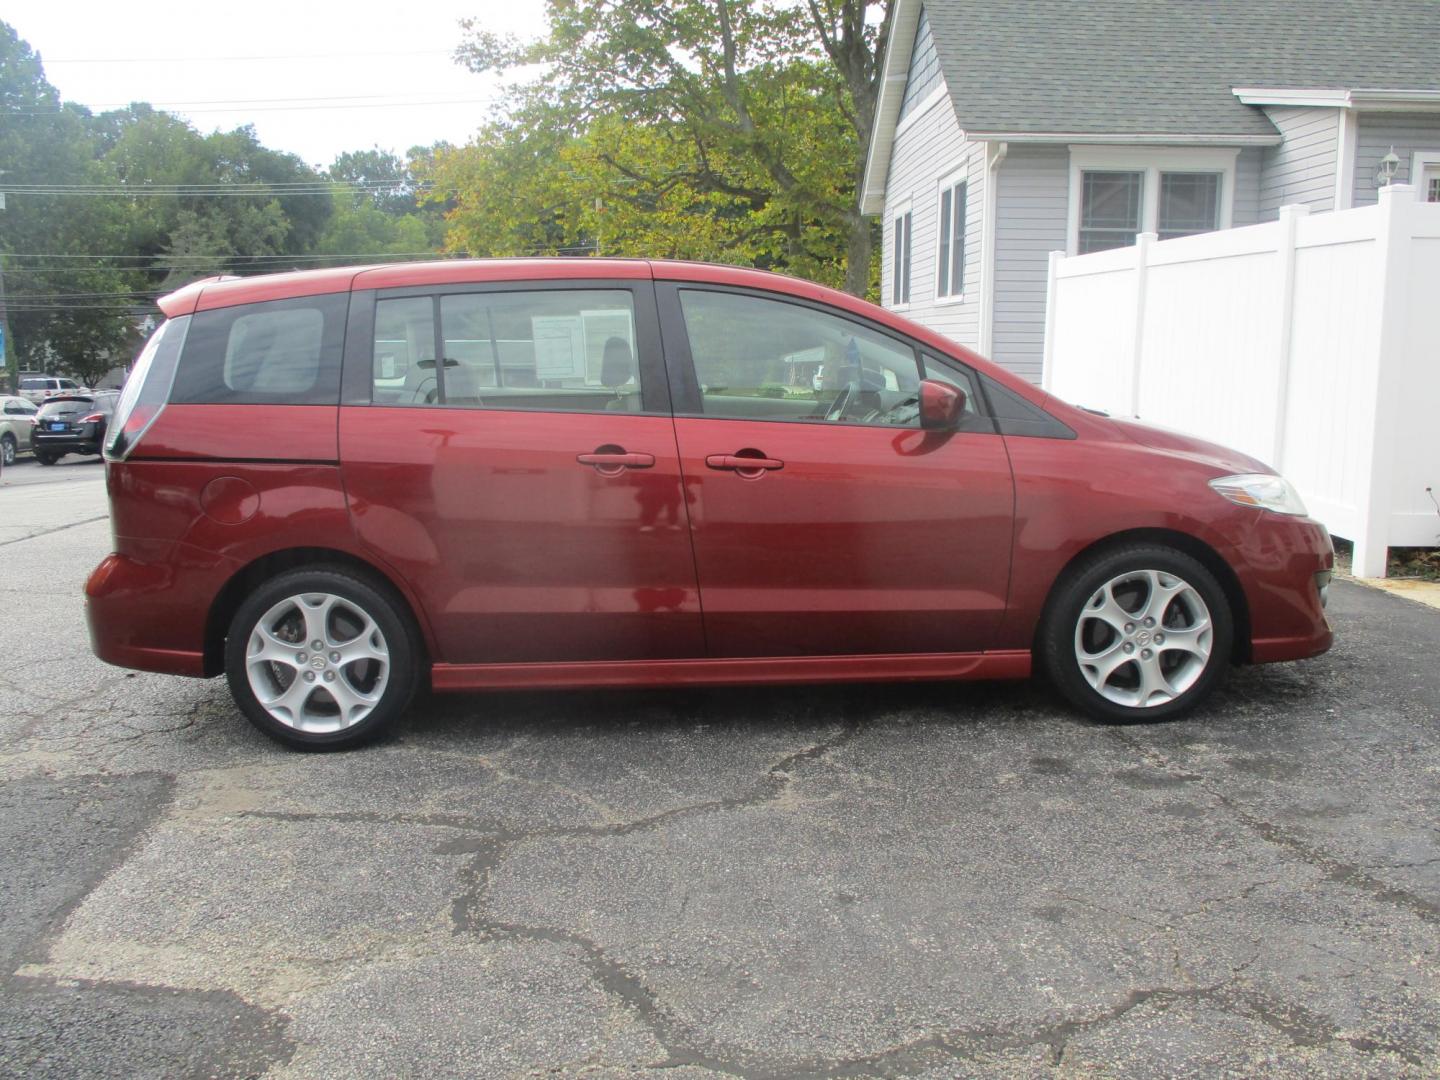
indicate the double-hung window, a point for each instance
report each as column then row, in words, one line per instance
column 1115, row 196
column 950, row 257
column 900, row 269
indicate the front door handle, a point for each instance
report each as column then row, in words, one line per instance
column 743, row 463
column 609, row 462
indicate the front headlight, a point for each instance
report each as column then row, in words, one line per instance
column 1264, row 490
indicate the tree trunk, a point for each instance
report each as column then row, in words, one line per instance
column 858, row 248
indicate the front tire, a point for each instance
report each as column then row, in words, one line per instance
column 1137, row 634
column 7, row 450
column 45, row 459
column 321, row 659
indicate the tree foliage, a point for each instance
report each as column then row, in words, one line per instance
column 82, row 270
column 729, row 128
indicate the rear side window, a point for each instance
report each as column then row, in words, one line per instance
column 555, row 350
column 282, row 352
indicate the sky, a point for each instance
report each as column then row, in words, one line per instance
column 314, row 77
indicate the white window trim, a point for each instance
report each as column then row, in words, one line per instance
column 958, row 175
column 1152, row 162
column 923, row 106
column 1419, row 162
column 900, row 209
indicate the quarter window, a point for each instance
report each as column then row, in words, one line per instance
column 951, row 275
column 760, row 359
column 553, row 350
column 282, row 352
column 900, row 285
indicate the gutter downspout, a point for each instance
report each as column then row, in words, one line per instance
column 994, row 156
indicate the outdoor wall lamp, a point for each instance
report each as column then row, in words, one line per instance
column 1386, row 170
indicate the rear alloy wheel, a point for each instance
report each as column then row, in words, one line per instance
column 320, row 659
column 7, row 450
column 1138, row 634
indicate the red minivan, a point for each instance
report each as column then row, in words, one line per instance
column 336, row 485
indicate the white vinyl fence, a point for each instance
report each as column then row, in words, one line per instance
column 1312, row 343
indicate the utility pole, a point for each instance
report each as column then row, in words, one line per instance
column 7, row 347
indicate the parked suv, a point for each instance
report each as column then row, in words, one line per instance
column 16, row 424
column 334, row 486
column 37, row 388
column 72, row 423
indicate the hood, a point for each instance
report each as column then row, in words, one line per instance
column 1177, row 442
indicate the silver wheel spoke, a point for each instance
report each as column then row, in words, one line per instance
column 265, row 647
column 1192, row 639
column 1098, row 667
column 1106, row 608
column 351, row 666
column 316, row 609
column 1153, row 683
column 349, row 699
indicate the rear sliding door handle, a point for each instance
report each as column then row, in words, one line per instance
column 613, row 463
column 742, row 463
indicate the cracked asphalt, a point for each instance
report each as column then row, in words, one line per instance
column 903, row 880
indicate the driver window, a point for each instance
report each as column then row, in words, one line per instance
column 759, row 359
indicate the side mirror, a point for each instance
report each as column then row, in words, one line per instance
column 941, row 405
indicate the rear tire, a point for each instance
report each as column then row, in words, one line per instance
column 45, row 459
column 1137, row 634
column 346, row 692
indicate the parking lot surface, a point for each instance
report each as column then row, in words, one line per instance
column 892, row 880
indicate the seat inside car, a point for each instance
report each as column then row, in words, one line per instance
column 617, row 369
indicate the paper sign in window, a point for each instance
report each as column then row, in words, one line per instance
column 559, row 346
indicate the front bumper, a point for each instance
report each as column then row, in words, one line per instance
column 1286, row 562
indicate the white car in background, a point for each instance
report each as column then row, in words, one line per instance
column 37, row 388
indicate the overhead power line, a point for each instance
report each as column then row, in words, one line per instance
column 226, row 59
column 241, row 107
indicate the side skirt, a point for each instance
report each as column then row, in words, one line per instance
column 1012, row 664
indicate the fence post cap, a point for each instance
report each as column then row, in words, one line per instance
column 1391, row 192
column 1294, row 210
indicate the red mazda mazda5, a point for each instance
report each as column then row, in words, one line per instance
column 335, row 485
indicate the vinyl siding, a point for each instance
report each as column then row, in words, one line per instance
column 1407, row 132
column 1030, row 222
column 927, row 151
column 1302, row 168
column 1247, row 187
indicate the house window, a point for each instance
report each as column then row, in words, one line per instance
column 1189, row 204
column 950, row 279
column 1110, row 209
column 900, row 285
column 1118, row 192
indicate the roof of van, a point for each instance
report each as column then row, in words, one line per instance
column 218, row 292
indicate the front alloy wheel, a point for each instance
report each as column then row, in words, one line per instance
column 320, row 659
column 1137, row 633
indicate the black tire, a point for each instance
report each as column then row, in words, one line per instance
column 1062, row 635
column 45, row 459
column 7, row 449
column 379, row 602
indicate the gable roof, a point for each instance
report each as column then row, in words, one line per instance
column 1164, row 69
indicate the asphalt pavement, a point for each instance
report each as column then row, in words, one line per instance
column 891, row 880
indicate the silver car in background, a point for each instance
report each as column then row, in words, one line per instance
column 17, row 422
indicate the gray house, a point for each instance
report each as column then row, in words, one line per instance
column 1007, row 129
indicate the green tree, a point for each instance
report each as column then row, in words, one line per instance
column 63, row 312
column 766, row 109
